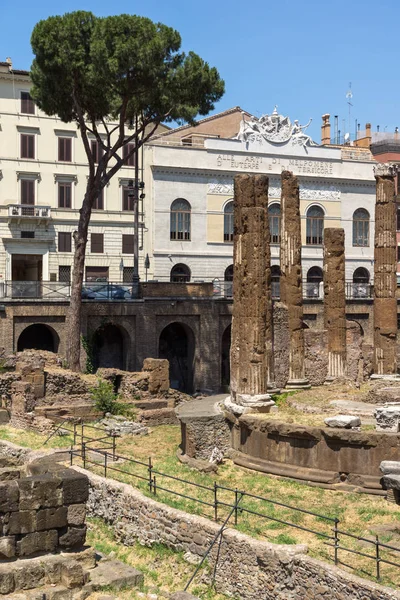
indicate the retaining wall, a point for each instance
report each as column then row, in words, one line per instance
column 248, row 569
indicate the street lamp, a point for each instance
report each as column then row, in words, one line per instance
column 133, row 199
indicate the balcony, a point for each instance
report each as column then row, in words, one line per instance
column 30, row 212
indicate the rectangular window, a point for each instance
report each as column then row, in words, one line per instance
column 96, row 273
column 27, row 145
column 26, row 235
column 127, row 200
column 180, row 225
column 97, row 243
column 99, row 202
column 129, row 162
column 64, row 194
column 27, row 104
column 64, row 241
column 27, row 191
column 97, row 150
column 127, row 274
column 64, row 273
column 65, row 149
column 128, row 244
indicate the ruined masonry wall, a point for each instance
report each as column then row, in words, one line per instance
column 248, row 568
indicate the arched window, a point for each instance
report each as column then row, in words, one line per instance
column 228, row 222
column 274, row 217
column 315, row 226
column 180, row 273
column 314, row 278
column 180, row 220
column 228, row 276
column 275, row 281
column 361, row 227
column 361, row 287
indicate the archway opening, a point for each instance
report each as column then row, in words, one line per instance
column 360, row 287
column 314, row 279
column 225, row 359
column 38, row 337
column 180, row 273
column 109, row 348
column 177, row 344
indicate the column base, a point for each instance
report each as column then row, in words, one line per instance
column 272, row 389
column 247, row 403
column 297, row 384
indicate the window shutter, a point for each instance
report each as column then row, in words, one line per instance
column 27, row 191
column 97, row 243
column 128, row 244
column 64, row 241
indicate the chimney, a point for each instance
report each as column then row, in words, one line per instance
column 368, row 134
column 325, row 130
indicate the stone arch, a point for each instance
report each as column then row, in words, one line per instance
column 315, row 277
column 176, row 343
column 39, row 337
column 111, row 347
column 225, row 359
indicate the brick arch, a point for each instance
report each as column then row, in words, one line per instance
column 38, row 336
column 127, row 327
column 54, row 324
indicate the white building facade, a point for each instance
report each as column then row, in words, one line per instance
column 191, row 193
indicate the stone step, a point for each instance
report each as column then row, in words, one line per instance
column 153, row 404
column 84, row 411
column 54, row 592
column 159, row 416
column 114, row 574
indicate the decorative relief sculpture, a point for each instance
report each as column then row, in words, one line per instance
column 308, row 191
column 274, row 128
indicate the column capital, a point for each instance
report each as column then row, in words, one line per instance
column 385, row 170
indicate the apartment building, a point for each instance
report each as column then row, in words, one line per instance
column 43, row 176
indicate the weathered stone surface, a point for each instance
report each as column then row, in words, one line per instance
column 76, row 514
column 72, row 574
column 22, row 521
column 74, row 537
column 4, row 416
column 29, row 575
column 385, row 282
column 119, row 426
column 291, row 293
column 39, row 541
column 115, row 574
column 7, row 547
column 9, row 496
column 392, row 481
column 6, row 580
column 335, row 301
column 40, row 491
column 252, row 332
column 388, row 417
column 75, row 487
column 51, row 518
column 183, row 596
column 343, row 421
column 158, row 370
column 390, row 466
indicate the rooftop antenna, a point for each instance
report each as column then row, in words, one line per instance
column 349, row 96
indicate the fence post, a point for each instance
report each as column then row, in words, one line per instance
column 336, row 540
column 215, row 502
column 113, row 448
column 82, row 426
column 150, row 475
column 378, row 560
column 105, row 463
column 154, row 486
column 74, row 434
column 236, row 506
column 84, row 454
column 71, row 456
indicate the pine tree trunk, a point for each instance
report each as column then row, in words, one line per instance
column 75, row 309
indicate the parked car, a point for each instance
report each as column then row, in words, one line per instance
column 106, row 291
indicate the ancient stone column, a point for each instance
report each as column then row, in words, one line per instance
column 252, row 328
column 335, row 301
column 385, row 283
column 291, row 290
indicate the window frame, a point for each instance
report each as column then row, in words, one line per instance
column 128, row 243
column 61, row 141
column 99, row 200
column 228, row 223
column 274, row 222
column 180, row 229
column 126, row 148
column 22, row 181
column 317, row 223
column 67, row 185
column 30, row 102
column 106, row 271
column 66, row 236
column 130, row 201
column 95, row 240
column 181, row 278
column 26, row 137
column 361, row 230
column 98, row 150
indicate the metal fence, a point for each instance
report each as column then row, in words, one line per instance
column 218, row 500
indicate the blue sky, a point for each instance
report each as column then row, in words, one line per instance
column 299, row 55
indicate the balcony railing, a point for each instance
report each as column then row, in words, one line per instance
column 106, row 291
column 29, row 211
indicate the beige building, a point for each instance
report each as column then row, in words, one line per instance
column 43, row 176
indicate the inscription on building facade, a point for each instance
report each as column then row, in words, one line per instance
column 259, row 163
column 308, row 191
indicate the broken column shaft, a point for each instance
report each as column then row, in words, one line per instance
column 252, row 329
column 335, row 301
column 291, row 290
column 385, row 281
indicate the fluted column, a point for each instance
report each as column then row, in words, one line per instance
column 252, row 328
column 385, row 281
column 335, row 301
column 291, row 289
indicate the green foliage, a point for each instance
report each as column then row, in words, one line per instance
column 105, row 65
column 105, row 399
column 88, row 346
column 281, row 399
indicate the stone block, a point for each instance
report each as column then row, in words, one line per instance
column 40, row 491
column 76, row 514
column 22, row 521
column 30, row 575
column 9, row 473
column 75, row 487
column 86, row 557
column 6, row 580
column 158, row 370
column 52, row 567
column 38, row 542
column 74, row 537
column 72, row 574
column 392, row 481
column 9, row 496
column 51, row 518
column 388, row 467
column 388, row 417
column 4, row 416
column 183, row 596
column 7, row 547
column 343, row 421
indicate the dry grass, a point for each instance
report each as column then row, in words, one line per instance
column 357, row 513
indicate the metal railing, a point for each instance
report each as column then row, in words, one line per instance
column 216, row 500
column 29, row 210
